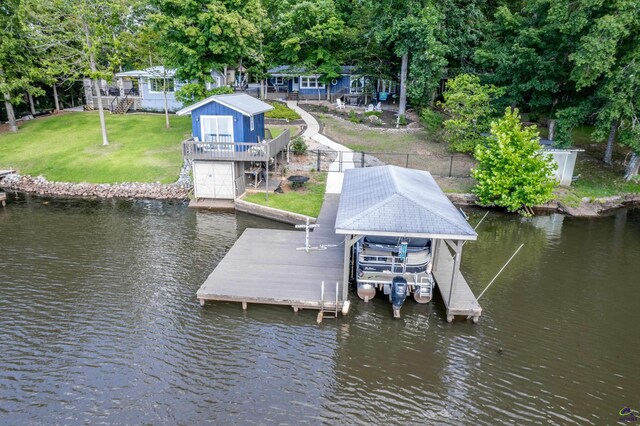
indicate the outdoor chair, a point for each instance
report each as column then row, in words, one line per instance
column 340, row 104
column 378, row 107
column 369, row 108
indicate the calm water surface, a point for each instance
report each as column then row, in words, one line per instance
column 99, row 324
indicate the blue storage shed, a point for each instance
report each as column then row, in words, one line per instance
column 228, row 118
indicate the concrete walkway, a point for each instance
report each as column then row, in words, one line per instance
column 336, row 169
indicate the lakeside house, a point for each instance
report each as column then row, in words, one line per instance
column 229, row 148
column 299, row 83
column 143, row 90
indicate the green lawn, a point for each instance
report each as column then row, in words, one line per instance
column 305, row 201
column 68, row 148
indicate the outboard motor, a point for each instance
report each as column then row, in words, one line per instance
column 399, row 290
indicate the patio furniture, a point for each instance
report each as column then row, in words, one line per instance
column 378, row 107
column 256, row 173
column 297, row 181
column 340, row 104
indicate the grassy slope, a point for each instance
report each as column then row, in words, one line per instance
column 305, row 201
column 68, row 148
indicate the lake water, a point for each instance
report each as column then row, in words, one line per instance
column 99, row 324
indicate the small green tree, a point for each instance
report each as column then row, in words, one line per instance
column 469, row 104
column 512, row 171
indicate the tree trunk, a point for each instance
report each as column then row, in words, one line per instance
column 32, row 107
column 94, row 70
column 552, row 129
column 167, row 124
column 608, row 153
column 632, row 168
column 55, row 98
column 224, row 75
column 402, row 108
column 13, row 125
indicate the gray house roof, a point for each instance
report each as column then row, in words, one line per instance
column 241, row 102
column 158, row 71
column 292, row 70
column 394, row 201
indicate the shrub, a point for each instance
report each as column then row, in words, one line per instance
column 376, row 113
column 353, row 117
column 402, row 120
column 431, row 119
column 298, row 146
column 469, row 104
column 282, row 111
column 512, row 171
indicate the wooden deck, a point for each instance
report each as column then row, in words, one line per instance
column 264, row 267
column 462, row 301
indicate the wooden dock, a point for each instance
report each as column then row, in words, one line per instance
column 462, row 301
column 265, row 267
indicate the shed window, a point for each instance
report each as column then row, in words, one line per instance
column 310, row 82
column 157, row 85
column 217, row 128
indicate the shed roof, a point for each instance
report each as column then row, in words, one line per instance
column 158, row 71
column 241, row 102
column 394, row 201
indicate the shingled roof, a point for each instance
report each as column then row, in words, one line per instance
column 394, row 201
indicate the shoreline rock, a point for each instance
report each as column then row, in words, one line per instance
column 41, row 186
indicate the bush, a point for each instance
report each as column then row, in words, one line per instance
column 376, row 113
column 191, row 93
column 282, row 111
column 431, row 119
column 402, row 120
column 298, row 146
column 469, row 104
column 512, row 172
column 353, row 117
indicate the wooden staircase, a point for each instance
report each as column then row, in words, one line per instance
column 292, row 96
column 123, row 106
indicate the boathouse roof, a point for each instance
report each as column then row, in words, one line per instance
column 240, row 102
column 393, row 201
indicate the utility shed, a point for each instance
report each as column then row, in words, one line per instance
column 397, row 202
column 228, row 118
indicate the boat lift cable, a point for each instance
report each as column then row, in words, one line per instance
column 476, row 227
column 500, row 271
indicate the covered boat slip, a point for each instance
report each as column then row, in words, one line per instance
column 264, row 266
column 391, row 201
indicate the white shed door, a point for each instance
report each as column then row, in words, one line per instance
column 213, row 180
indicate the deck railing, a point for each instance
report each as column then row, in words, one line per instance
column 235, row 151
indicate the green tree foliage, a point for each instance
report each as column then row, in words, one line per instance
column 409, row 29
column 512, row 172
column 469, row 105
column 18, row 70
column 198, row 36
column 191, row 93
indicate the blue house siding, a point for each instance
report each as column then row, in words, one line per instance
column 342, row 82
column 241, row 123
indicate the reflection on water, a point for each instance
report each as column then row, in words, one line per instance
column 99, row 323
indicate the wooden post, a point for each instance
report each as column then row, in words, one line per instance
column 349, row 242
column 457, row 247
column 244, row 306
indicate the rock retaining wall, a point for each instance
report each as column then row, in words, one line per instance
column 41, row 186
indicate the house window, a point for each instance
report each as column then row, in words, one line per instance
column 356, row 85
column 310, row 82
column 251, row 123
column 278, row 81
column 156, row 85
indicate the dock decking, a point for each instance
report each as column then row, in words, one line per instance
column 462, row 301
column 264, row 267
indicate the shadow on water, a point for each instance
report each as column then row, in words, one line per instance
column 99, row 323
